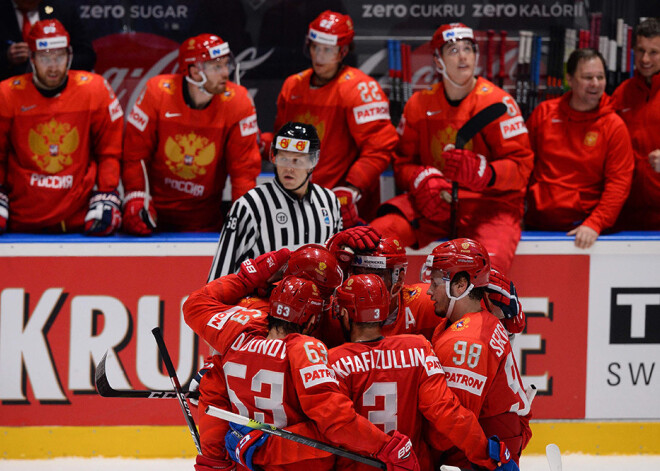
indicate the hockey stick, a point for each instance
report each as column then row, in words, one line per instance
column 278, row 432
column 144, row 213
column 502, row 72
column 490, row 52
column 105, row 390
column 554, row 457
column 177, row 387
column 470, row 129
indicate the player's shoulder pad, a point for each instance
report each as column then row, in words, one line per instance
column 82, row 78
column 300, row 77
column 409, row 340
column 17, row 83
column 468, row 322
column 429, row 90
column 349, row 73
column 166, row 84
column 415, row 293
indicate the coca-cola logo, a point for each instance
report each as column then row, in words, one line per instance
column 146, row 55
column 143, row 56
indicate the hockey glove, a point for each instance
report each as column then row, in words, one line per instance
column 256, row 273
column 137, row 219
column 104, row 215
column 241, row 443
column 347, row 198
column 398, row 455
column 467, row 168
column 431, row 193
column 502, row 293
column 498, row 451
column 194, row 383
column 4, row 210
column 362, row 238
column 204, row 463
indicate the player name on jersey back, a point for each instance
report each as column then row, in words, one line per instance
column 377, row 359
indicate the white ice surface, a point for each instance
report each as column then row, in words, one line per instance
column 573, row 462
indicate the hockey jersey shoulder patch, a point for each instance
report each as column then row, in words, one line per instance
column 19, row 83
column 138, row 118
column 410, row 294
column 82, row 78
column 248, row 125
column 167, row 85
column 513, row 127
column 371, row 112
column 483, row 89
column 432, row 365
column 467, row 380
column 317, row 374
column 115, row 110
column 461, row 324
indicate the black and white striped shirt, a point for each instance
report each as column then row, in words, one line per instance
column 268, row 217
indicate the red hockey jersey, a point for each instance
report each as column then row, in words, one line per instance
column 54, row 150
column 352, row 117
column 481, row 370
column 189, row 152
column 279, row 381
column 398, row 381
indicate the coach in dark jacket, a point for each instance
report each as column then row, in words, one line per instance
column 13, row 49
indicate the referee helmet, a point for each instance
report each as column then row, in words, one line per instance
column 299, row 138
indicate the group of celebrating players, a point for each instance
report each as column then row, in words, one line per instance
column 418, row 374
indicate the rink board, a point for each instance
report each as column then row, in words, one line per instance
column 591, row 344
column 595, row 438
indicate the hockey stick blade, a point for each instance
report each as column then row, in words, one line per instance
column 554, row 457
column 470, row 129
column 278, row 432
column 171, row 371
column 105, row 390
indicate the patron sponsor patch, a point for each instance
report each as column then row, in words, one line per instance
column 465, row 379
column 432, row 365
column 115, row 110
column 248, row 125
column 513, row 127
column 371, row 112
column 317, row 374
column 138, row 118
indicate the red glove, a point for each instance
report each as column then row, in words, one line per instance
column 204, row 463
column 347, row 198
column 362, row 238
column 398, row 455
column 264, row 141
column 4, row 210
column 431, row 194
column 256, row 273
column 467, row 168
column 104, row 215
column 502, row 293
column 137, row 219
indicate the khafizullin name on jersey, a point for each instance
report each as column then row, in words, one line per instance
column 385, row 360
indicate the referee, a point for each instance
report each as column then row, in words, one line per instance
column 289, row 211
